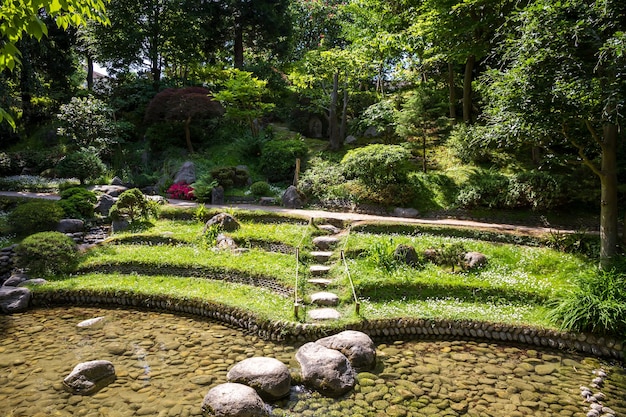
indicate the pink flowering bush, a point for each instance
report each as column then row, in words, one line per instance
column 180, row 191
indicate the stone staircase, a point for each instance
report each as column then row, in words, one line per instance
column 323, row 302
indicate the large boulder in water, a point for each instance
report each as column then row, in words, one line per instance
column 268, row 376
column 356, row 346
column 325, row 370
column 233, row 400
column 89, row 377
column 14, row 299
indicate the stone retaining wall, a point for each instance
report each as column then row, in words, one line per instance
column 7, row 261
column 404, row 329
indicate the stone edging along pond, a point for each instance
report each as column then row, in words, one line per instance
column 284, row 331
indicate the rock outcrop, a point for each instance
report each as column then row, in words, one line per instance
column 14, row 299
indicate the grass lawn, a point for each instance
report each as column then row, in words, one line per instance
column 515, row 286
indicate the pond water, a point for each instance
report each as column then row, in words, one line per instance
column 165, row 365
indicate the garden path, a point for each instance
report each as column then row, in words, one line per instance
column 349, row 216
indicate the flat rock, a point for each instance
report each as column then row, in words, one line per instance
column 329, row 228
column 322, row 282
column 325, row 242
column 321, row 256
column 95, row 323
column 70, row 226
column 321, row 314
column 317, row 270
column 324, row 298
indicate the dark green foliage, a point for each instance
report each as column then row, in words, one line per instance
column 203, row 188
column 229, row 177
column 577, row 242
column 486, row 189
column 278, row 158
column 84, row 165
column 249, row 146
column 78, row 203
column 133, row 205
column 377, row 165
column 598, row 304
column 260, row 189
column 323, row 180
column 35, row 216
column 36, row 161
column 537, row 190
column 48, row 253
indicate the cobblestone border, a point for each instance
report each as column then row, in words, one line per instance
column 287, row 331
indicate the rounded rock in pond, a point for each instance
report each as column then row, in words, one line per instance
column 356, row 346
column 268, row 376
column 89, row 377
column 325, row 370
column 233, row 400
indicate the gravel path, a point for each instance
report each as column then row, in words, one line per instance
column 347, row 216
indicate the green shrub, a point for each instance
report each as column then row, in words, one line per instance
column 35, row 216
column 377, row 165
column 260, row 189
column 84, row 165
column 467, row 144
column 323, row 180
column 78, row 203
column 47, row 253
column 535, row 189
column 133, row 205
column 382, row 254
column 203, row 188
column 249, row 146
column 278, row 158
column 451, row 255
column 229, row 177
column 484, row 189
column 598, row 304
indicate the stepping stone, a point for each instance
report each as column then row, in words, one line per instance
column 321, row 256
column 325, row 242
column 317, row 270
column 322, row 282
column 329, row 228
column 324, row 298
column 324, row 314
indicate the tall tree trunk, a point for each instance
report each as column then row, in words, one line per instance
column 467, row 89
column 188, row 134
column 609, row 207
column 333, row 128
column 89, row 72
column 344, row 115
column 238, row 47
column 452, row 93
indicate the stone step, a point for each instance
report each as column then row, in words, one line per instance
column 325, row 242
column 322, row 282
column 324, row 314
column 324, row 298
column 333, row 230
column 317, row 270
column 321, row 256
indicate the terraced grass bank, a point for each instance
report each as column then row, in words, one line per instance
column 169, row 266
